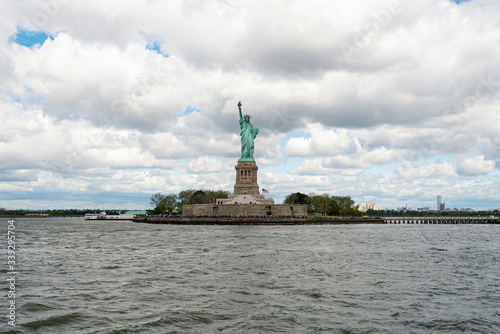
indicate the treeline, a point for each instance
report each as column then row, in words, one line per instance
column 331, row 205
column 395, row 213
column 172, row 203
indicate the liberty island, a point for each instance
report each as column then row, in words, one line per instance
column 246, row 199
column 247, row 205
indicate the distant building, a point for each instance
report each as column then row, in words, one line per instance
column 440, row 204
column 467, row 209
column 361, row 207
column 372, row 206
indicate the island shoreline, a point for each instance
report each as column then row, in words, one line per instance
column 255, row 221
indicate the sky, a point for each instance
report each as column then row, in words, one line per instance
column 104, row 103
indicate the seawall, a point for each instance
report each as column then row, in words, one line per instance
column 255, row 221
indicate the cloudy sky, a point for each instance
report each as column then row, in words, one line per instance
column 104, row 103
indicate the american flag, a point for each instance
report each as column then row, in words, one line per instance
column 265, row 191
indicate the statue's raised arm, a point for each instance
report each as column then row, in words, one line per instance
column 239, row 107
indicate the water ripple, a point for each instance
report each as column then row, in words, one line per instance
column 120, row 277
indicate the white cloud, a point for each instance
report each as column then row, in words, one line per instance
column 410, row 171
column 95, row 105
column 475, row 166
column 323, row 142
column 205, row 165
column 313, row 167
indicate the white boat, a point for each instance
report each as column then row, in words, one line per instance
column 104, row 216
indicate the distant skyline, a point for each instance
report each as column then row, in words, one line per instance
column 105, row 103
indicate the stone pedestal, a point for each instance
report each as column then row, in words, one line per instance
column 246, row 189
column 246, row 178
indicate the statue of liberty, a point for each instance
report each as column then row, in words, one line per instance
column 248, row 134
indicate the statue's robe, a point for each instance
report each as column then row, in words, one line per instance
column 248, row 134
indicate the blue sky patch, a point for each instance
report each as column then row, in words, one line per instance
column 188, row 111
column 154, row 46
column 35, row 99
column 30, row 38
column 460, row 1
column 294, row 134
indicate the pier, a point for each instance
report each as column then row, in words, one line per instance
column 443, row 220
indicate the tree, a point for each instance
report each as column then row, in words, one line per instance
column 319, row 203
column 199, row 197
column 212, row 195
column 346, row 206
column 184, row 197
column 156, row 199
column 343, row 206
column 332, row 205
column 169, row 203
column 164, row 204
column 297, row 198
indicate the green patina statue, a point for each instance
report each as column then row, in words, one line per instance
column 248, row 134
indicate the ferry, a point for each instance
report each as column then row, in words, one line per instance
column 104, row 216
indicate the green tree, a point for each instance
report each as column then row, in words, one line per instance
column 156, row 199
column 332, row 205
column 184, row 197
column 169, row 203
column 297, row 198
column 199, row 197
column 202, row 196
column 319, row 203
column 346, row 206
column 164, row 204
column 212, row 195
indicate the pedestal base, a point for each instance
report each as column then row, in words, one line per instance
column 246, row 189
column 246, row 178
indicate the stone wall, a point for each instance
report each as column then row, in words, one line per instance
column 255, row 221
column 244, row 210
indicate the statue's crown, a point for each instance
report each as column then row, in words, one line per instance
column 247, row 115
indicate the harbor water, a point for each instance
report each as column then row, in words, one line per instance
column 77, row 276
